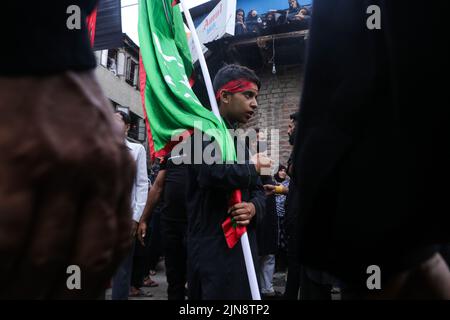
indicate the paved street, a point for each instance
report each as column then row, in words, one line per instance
column 157, row 293
column 160, row 292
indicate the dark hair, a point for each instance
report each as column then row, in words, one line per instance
column 243, row 14
column 276, row 176
column 233, row 72
column 294, row 116
column 249, row 14
column 125, row 117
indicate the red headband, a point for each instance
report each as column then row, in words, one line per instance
column 235, row 86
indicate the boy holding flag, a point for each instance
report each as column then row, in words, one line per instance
column 172, row 109
column 216, row 271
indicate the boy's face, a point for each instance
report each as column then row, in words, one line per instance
column 241, row 105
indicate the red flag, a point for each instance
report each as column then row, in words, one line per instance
column 231, row 229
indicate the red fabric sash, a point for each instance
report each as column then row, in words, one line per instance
column 235, row 86
column 91, row 22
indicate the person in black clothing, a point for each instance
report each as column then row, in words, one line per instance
column 253, row 22
column 267, row 243
column 174, row 228
column 293, row 274
column 155, row 241
column 240, row 27
column 270, row 21
column 267, row 228
column 296, row 16
column 313, row 284
column 368, row 155
column 290, row 13
column 170, row 188
column 282, row 180
column 152, row 206
column 214, row 270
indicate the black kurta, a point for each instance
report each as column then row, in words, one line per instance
column 216, row 272
column 267, row 234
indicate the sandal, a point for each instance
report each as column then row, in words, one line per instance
column 138, row 293
column 148, row 282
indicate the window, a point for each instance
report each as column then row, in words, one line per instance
column 141, row 134
column 128, row 72
column 136, row 76
column 120, row 63
column 137, row 127
column 132, row 71
column 104, row 58
column 98, row 56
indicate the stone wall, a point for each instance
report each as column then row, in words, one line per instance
column 278, row 98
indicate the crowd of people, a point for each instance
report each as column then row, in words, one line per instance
column 362, row 191
column 315, row 216
column 255, row 24
column 191, row 268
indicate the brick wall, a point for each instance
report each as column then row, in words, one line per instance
column 278, row 98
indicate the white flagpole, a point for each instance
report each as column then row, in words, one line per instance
column 215, row 109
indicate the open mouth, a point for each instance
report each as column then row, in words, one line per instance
column 249, row 114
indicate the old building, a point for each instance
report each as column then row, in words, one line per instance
column 118, row 75
column 277, row 55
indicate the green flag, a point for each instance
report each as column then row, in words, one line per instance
column 168, row 99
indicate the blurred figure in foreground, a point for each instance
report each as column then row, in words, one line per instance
column 369, row 154
column 65, row 172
